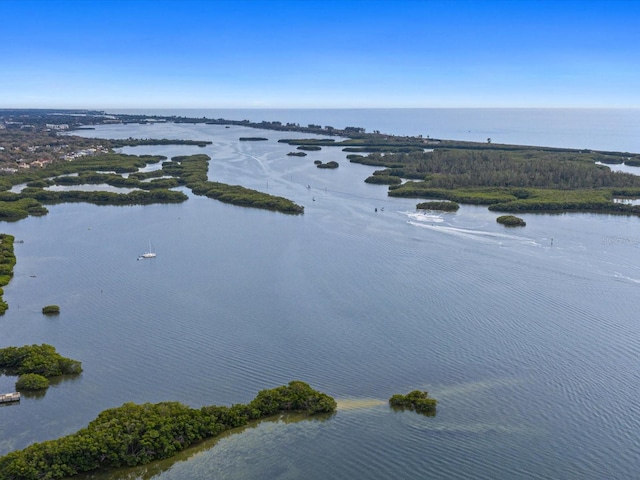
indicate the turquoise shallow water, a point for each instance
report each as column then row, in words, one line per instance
column 530, row 345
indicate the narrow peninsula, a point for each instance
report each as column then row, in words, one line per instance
column 7, row 262
column 135, row 434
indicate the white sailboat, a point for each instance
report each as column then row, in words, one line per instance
column 149, row 253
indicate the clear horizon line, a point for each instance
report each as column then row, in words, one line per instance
column 324, row 108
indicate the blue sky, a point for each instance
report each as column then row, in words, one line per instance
column 319, row 54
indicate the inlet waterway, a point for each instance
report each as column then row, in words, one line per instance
column 529, row 338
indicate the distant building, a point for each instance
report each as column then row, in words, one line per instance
column 40, row 163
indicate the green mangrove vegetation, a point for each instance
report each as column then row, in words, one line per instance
column 253, row 139
column 376, row 142
column 418, row 401
column 41, row 359
column 331, row 164
column 509, row 180
column 51, row 310
column 7, row 262
column 136, row 197
column 35, row 364
column 135, row 434
column 134, row 142
column 379, row 179
column 145, row 187
column 108, row 162
column 133, row 181
column 511, row 221
column 362, row 142
column 442, row 206
column 383, row 149
column 296, row 154
column 32, row 382
column 98, row 169
column 16, row 207
column 192, row 172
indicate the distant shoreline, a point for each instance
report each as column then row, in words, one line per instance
column 520, row 178
column 600, row 129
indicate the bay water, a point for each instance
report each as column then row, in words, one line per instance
column 585, row 128
column 527, row 337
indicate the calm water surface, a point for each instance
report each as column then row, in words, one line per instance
column 528, row 338
column 591, row 128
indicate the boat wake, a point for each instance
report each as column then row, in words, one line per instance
column 425, row 217
column 435, row 223
column 620, row 276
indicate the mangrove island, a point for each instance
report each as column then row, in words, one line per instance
column 39, row 362
column 418, row 401
column 135, row 434
column 442, row 206
column 511, row 221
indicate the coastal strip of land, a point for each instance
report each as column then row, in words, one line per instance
column 7, row 262
column 505, row 178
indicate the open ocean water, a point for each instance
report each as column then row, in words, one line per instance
column 589, row 128
column 528, row 338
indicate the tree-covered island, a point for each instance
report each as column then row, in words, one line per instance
column 511, row 221
column 442, row 206
column 418, row 401
column 330, row 165
column 146, row 187
column 134, row 434
column 35, row 364
column 191, row 171
column 50, row 310
column 513, row 180
column 84, row 171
